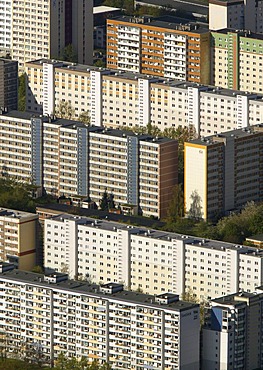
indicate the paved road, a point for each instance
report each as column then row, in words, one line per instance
column 187, row 6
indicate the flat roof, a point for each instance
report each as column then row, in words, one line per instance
column 104, row 9
column 237, row 134
column 192, row 27
column 143, row 232
column 94, row 290
column 193, row 6
column 242, row 33
column 69, row 67
column 73, row 124
column 5, row 212
column 258, row 237
column 235, row 299
column 114, row 73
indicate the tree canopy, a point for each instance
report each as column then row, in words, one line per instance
column 22, row 92
column 64, row 110
column 234, row 228
column 16, row 195
column 107, row 201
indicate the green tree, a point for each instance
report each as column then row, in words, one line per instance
column 111, row 203
column 84, row 117
column 99, row 63
column 68, row 54
column 176, row 207
column 64, row 110
column 195, row 210
column 38, row 269
column 16, row 195
column 22, row 92
column 153, row 130
column 104, row 204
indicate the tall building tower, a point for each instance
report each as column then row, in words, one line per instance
column 241, row 15
column 5, row 27
column 232, row 336
column 42, row 29
column 223, row 172
column 162, row 49
column 8, row 83
column 18, row 238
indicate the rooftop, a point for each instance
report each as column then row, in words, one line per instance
column 73, row 124
column 116, row 74
column 5, row 212
column 160, row 235
column 192, row 27
column 236, row 134
column 104, row 9
column 93, row 290
column 235, row 299
column 192, row 7
column 242, row 33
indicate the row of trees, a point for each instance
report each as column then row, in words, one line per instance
column 234, row 228
column 62, row 363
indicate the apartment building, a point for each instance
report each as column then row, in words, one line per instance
column 236, row 60
column 236, row 14
column 232, row 335
column 158, row 48
column 5, row 27
column 115, row 99
column 18, row 238
column 42, row 29
column 150, row 260
column 223, row 172
column 127, row 329
column 8, row 84
column 65, row 157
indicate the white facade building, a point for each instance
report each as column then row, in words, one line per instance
column 222, row 172
column 6, row 26
column 151, row 260
column 232, row 335
column 117, row 99
column 127, row 329
column 236, row 14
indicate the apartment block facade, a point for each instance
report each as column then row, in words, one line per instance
column 151, row 260
column 127, row 329
column 223, row 172
column 153, row 47
column 5, row 27
column 68, row 158
column 236, row 14
column 237, row 60
column 8, row 84
column 232, row 335
column 18, row 238
column 42, row 29
column 115, row 99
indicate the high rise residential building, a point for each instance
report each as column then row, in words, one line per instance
column 113, row 98
column 130, row 330
column 232, row 335
column 237, row 60
column 5, row 27
column 18, row 238
column 8, row 84
column 223, row 172
column 43, row 28
column 68, row 158
column 150, row 260
column 163, row 49
column 236, row 14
